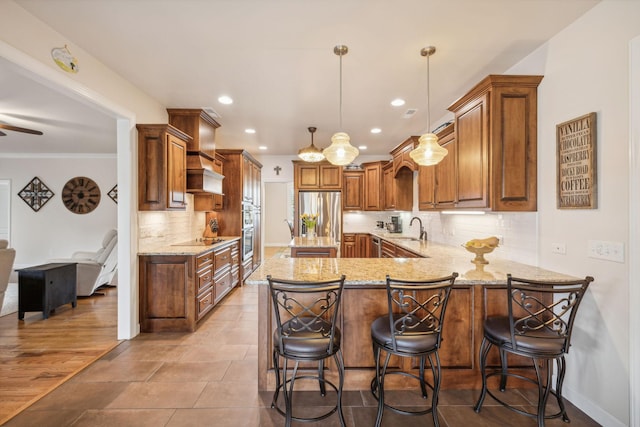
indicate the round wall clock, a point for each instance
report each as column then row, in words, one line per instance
column 81, row 195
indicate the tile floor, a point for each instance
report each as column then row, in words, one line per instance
column 209, row 377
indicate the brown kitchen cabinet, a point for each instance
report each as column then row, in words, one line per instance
column 162, row 164
column 353, row 190
column 316, row 176
column 397, row 176
column 355, row 245
column 496, row 144
column 373, row 186
column 242, row 190
column 437, row 184
column 176, row 291
column 202, row 158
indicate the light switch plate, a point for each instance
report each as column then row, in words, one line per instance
column 559, row 248
column 610, row 251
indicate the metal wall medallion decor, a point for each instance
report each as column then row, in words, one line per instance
column 576, row 159
column 81, row 195
column 113, row 193
column 36, row 194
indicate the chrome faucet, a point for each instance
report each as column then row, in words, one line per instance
column 423, row 233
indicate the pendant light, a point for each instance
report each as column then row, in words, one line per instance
column 428, row 152
column 340, row 152
column 311, row 153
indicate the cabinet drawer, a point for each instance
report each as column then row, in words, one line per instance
column 388, row 249
column 204, row 279
column 222, row 259
column 348, row 237
column 204, row 260
column 235, row 277
column 204, row 303
column 222, row 285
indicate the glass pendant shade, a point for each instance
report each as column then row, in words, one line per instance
column 340, row 152
column 311, row 153
column 428, row 152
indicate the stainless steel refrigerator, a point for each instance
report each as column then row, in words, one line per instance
column 327, row 204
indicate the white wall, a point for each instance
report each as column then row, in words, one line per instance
column 54, row 231
column 586, row 69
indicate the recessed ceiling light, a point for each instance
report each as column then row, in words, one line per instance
column 397, row 102
column 362, row 147
column 262, row 147
column 224, row 99
column 376, row 130
column 249, row 130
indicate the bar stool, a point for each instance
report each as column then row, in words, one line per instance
column 538, row 326
column 411, row 328
column 306, row 316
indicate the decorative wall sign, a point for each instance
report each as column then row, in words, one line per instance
column 36, row 194
column 576, row 158
column 81, row 195
column 65, row 59
column 113, row 193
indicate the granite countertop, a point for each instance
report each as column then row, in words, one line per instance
column 442, row 260
column 314, row 242
column 184, row 248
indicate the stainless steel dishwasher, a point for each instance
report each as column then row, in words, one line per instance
column 377, row 247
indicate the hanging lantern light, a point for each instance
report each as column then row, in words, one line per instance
column 311, row 153
column 428, row 152
column 340, row 152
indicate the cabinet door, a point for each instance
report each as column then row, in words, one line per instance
column 353, row 191
column 307, row 177
column 176, row 173
column 373, row 188
column 445, row 176
column 363, row 245
column 247, row 180
column 218, row 201
column 426, row 188
column 256, row 184
column 330, row 177
column 472, row 147
column 389, row 187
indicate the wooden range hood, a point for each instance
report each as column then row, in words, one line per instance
column 202, row 177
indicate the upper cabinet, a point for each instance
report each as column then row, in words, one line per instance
column 353, row 190
column 199, row 125
column 162, row 163
column 373, row 186
column 496, row 144
column 398, row 177
column 316, row 176
column 437, row 184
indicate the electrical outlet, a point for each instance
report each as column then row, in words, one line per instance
column 559, row 248
column 610, row 251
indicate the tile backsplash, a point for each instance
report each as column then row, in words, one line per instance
column 517, row 229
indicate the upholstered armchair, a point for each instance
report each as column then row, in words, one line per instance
column 7, row 256
column 95, row 269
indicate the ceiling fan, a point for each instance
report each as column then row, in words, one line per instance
column 18, row 129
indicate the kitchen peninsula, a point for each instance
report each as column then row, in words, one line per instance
column 478, row 293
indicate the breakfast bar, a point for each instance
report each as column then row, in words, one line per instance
column 479, row 292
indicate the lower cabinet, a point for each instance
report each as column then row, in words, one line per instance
column 176, row 291
column 356, row 245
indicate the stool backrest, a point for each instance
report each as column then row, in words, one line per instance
column 543, row 311
column 306, row 310
column 417, row 308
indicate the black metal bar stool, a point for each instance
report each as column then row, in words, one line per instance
column 411, row 328
column 306, row 314
column 538, row 326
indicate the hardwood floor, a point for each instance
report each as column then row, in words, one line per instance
column 37, row 355
column 208, row 377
